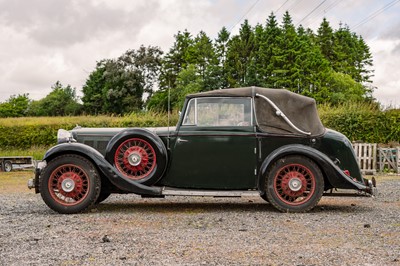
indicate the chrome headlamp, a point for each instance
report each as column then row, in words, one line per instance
column 64, row 136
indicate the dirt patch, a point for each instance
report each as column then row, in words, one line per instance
column 127, row 229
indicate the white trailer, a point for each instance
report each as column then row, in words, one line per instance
column 8, row 163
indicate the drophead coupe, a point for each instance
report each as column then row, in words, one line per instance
column 229, row 142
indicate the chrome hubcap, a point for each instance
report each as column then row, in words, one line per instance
column 295, row 184
column 68, row 185
column 134, row 159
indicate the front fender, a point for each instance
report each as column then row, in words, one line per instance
column 112, row 174
column 333, row 173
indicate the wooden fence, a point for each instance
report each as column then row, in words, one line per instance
column 372, row 159
column 389, row 159
column 366, row 157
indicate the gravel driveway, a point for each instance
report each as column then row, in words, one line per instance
column 129, row 230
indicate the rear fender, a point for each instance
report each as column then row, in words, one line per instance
column 334, row 174
column 112, row 174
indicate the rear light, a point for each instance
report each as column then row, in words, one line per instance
column 346, row 172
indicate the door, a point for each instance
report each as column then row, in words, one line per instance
column 215, row 147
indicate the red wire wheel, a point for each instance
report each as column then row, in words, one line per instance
column 294, row 184
column 135, row 158
column 68, row 184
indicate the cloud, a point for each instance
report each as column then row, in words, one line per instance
column 42, row 41
column 64, row 23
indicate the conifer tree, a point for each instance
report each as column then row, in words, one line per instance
column 239, row 56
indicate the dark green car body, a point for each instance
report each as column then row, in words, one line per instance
column 224, row 142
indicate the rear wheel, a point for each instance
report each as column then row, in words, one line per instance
column 294, row 184
column 70, row 184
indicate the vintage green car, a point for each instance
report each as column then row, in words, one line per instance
column 230, row 142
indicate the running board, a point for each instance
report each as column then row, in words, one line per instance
column 337, row 194
column 209, row 193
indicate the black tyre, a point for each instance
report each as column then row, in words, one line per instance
column 294, row 184
column 139, row 156
column 264, row 197
column 7, row 166
column 103, row 196
column 70, row 184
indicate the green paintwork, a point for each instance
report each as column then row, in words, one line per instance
column 212, row 159
column 337, row 146
column 224, row 157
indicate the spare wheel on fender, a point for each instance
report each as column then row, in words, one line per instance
column 138, row 154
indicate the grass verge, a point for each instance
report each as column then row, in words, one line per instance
column 15, row 182
column 36, row 152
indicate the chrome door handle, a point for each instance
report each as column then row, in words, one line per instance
column 182, row 140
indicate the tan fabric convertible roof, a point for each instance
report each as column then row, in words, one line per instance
column 300, row 110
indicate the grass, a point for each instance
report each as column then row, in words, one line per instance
column 384, row 177
column 142, row 119
column 32, row 121
column 15, row 182
column 36, row 152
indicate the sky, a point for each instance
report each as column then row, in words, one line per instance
column 44, row 41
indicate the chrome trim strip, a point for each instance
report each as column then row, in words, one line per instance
column 209, row 193
column 281, row 114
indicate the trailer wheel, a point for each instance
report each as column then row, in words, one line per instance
column 7, row 166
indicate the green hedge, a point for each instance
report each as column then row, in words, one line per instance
column 23, row 133
column 358, row 122
column 363, row 122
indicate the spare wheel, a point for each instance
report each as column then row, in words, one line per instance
column 138, row 154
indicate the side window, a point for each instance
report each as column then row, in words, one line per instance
column 190, row 116
column 219, row 112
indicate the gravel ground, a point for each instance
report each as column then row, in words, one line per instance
column 129, row 230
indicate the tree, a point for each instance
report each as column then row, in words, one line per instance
column 286, row 71
column 118, row 86
column 239, row 56
column 205, row 61
column 61, row 101
column 221, row 44
column 15, row 106
column 312, row 65
column 188, row 81
column 178, row 57
column 342, row 88
column 93, row 98
column 325, row 40
column 268, row 51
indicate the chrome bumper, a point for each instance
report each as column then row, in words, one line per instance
column 372, row 190
column 34, row 183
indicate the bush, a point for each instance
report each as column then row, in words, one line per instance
column 23, row 133
column 362, row 122
column 365, row 122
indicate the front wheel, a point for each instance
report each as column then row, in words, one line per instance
column 294, row 184
column 70, row 184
